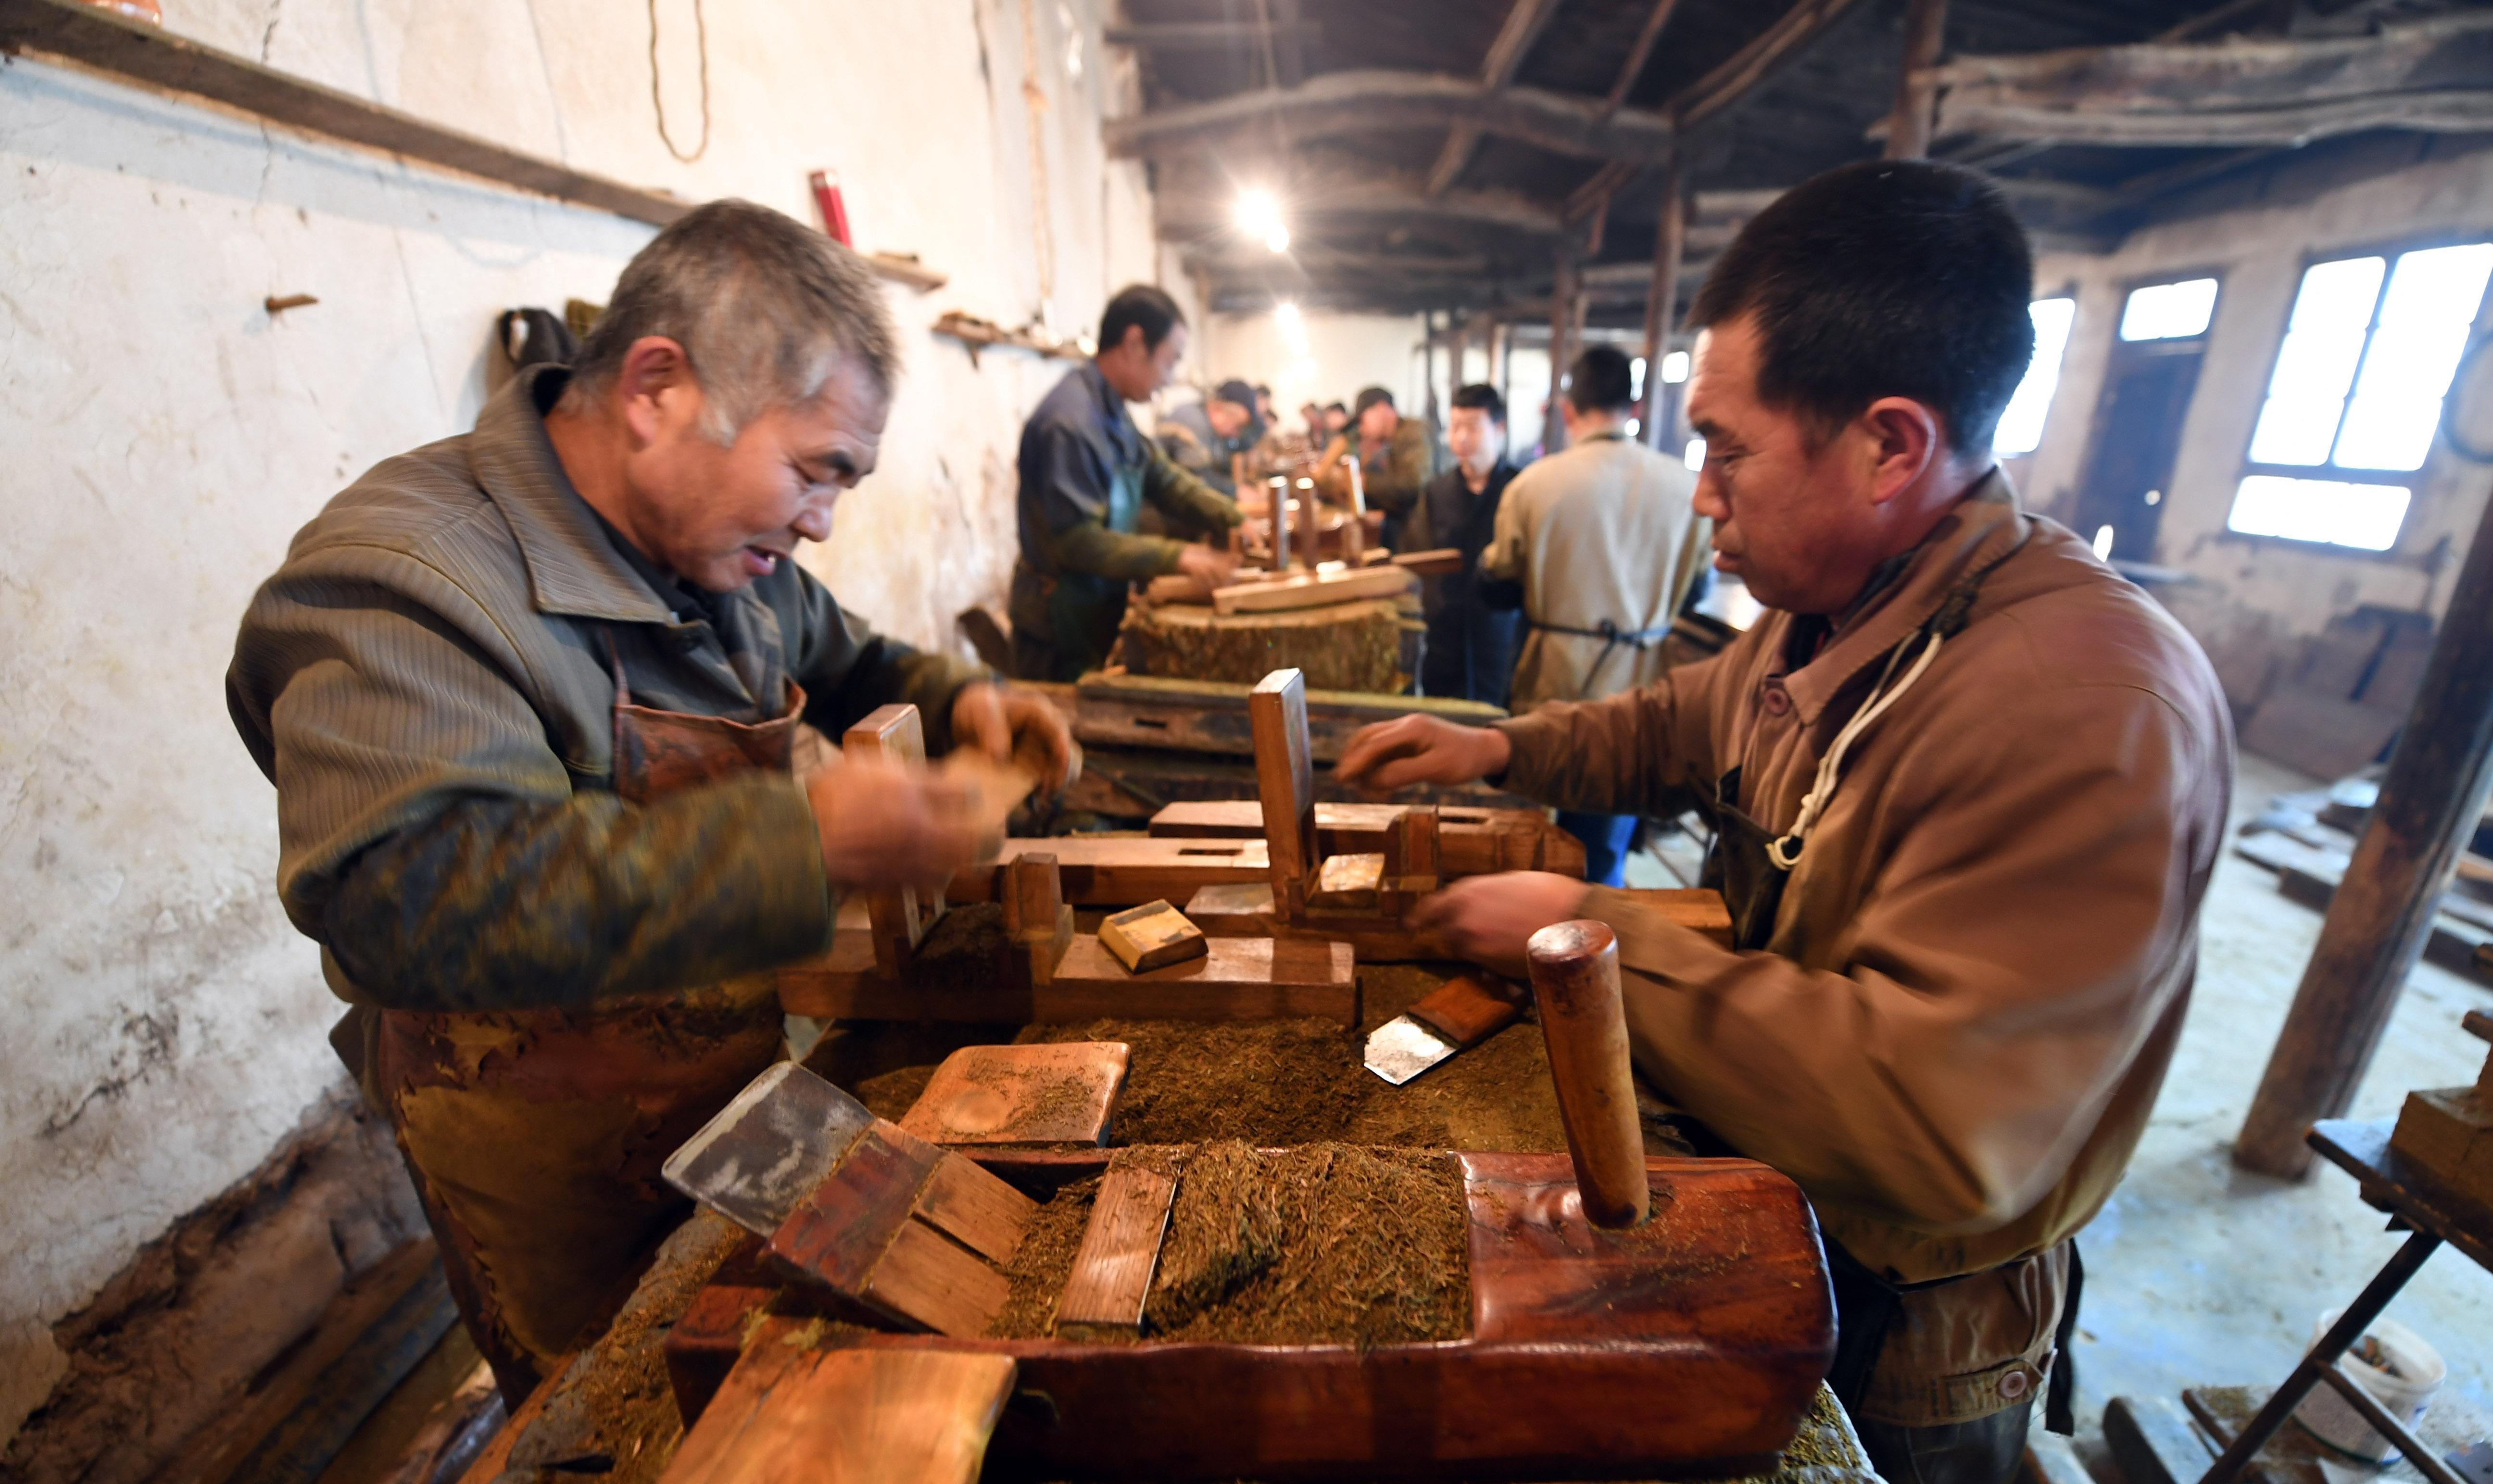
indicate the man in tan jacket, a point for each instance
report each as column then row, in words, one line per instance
column 1969, row 788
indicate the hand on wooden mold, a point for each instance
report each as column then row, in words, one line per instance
column 1488, row 919
column 1007, row 722
column 882, row 824
column 1419, row 749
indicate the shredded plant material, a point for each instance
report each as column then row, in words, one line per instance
column 1043, row 1262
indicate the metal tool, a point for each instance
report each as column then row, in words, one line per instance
column 770, row 1148
column 1462, row 1011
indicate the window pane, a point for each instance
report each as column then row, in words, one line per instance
column 2338, row 295
column 2425, row 319
column 1694, row 457
column 2170, row 311
column 2020, row 426
column 2365, row 516
column 2323, row 344
column 2296, row 430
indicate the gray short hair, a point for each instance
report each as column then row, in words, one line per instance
column 764, row 306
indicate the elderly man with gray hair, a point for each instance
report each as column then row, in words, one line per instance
column 529, row 697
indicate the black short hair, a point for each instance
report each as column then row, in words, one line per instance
column 1602, row 381
column 1139, row 304
column 1335, row 406
column 1482, row 395
column 1884, row 279
column 1369, row 398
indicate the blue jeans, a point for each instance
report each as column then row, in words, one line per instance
column 1605, row 839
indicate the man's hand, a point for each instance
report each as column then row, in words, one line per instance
column 1420, row 749
column 1209, row 566
column 884, row 825
column 1006, row 721
column 1488, row 919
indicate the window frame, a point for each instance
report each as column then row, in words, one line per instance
column 2413, row 480
column 2157, row 280
column 2075, row 293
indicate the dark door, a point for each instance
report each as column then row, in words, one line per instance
column 2138, row 432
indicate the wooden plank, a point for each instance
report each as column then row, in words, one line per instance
column 1000, row 1097
column 1909, row 121
column 848, row 1416
column 893, row 733
column 1366, row 100
column 1246, row 911
column 1464, row 1010
column 1238, row 978
column 1754, row 63
column 1121, row 1247
column 2153, row 1442
column 1123, row 870
column 1131, row 711
column 1285, row 786
column 975, row 1208
column 929, row 1283
column 1311, row 590
column 836, row 1235
column 1150, row 936
column 1470, row 841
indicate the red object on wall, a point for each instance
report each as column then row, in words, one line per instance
column 836, row 212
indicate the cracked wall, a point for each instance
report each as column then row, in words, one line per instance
column 167, row 435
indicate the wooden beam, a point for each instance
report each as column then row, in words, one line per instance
column 1524, row 23
column 1289, row 39
column 1196, row 202
column 2428, row 76
column 1754, row 63
column 1662, row 304
column 1365, row 100
column 1203, row 35
column 1908, row 123
column 1637, row 55
column 1306, row 262
column 2430, row 802
column 1566, row 304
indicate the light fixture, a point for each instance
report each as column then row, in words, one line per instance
column 1259, row 216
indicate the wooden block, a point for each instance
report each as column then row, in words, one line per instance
column 1285, row 785
column 975, row 1208
column 928, row 1283
column 1465, row 1011
column 1348, row 883
column 1035, row 912
column 848, row 1416
column 1411, row 852
column 1470, row 842
column 893, row 733
column 2448, row 1132
column 836, row 1234
column 1311, row 591
column 1150, row 936
column 1195, row 715
column 1120, row 1247
column 1123, row 870
column 1005, row 1097
column 1236, row 979
column 1437, row 562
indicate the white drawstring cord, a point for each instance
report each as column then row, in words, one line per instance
column 1823, row 787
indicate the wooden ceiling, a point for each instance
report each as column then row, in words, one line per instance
column 1437, row 154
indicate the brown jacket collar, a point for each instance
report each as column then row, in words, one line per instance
column 1986, row 524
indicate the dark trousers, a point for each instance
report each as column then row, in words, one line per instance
column 1605, row 839
column 1986, row 1450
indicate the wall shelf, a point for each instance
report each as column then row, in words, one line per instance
column 103, row 40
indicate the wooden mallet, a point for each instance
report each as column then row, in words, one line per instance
column 1576, row 980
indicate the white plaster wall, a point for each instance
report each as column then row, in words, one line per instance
column 1344, row 354
column 165, row 437
column 2249, row 599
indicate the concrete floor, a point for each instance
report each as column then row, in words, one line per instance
column 2199, row 1273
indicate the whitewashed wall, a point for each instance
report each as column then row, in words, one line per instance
column 1340, row 354
column 165, row 437
column 2249, row 601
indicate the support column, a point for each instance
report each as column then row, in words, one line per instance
column 2427, row 810
column 1908, row 125
column 1662, row 302
column 1563, row 294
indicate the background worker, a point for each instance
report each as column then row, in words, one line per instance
column 1470, row 654
column 1970, row 787
column 1599, row 545
column 1395, row 458
column 529, row 697
column 1207, row 439
column 1086, row 473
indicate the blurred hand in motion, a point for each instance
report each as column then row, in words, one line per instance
column 1488, row 919
column 1420, row 749
column 1007, row 721
column 884, row 825
column 1209, row 566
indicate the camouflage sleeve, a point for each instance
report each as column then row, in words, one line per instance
column 1089, row 546
column 1187, row 500
column 511, row 903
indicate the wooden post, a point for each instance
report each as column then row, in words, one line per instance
column 1286, row 782
column 1458, row 338
column 1562, row 344
column 1282, row 521
column 1500, row 338
column 1576, row 979
column 1908, row 125
column 1429, row 370
column 1661, row 300
column 2427, row 811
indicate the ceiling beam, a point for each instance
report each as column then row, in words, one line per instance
column 1353, row 101
column 1192, row 205
column 1245, row 262
column 1526, row 20
column 2429, row 76
column 1637, row 55
column 1201, row 35
column 1289, row 39
column 1752, row 64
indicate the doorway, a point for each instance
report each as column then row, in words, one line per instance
column 2148, row 385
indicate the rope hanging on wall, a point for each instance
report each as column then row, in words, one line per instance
column 701, row 40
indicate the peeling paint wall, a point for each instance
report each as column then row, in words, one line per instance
column 167, row 435
column 2252, row 602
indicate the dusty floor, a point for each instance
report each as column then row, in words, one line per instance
column 2199, row 1273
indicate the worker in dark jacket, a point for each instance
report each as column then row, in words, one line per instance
column 1471, row 644
column 1086, row 472
column 1395, row 455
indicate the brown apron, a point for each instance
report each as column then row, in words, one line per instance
column 537, row 1134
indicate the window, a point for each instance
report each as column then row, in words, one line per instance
column 1694, row 457
column 2368, row 355
column 2170, row 311
column 2020, row 426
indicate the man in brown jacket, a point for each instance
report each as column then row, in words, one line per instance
column 1969, row 786
column 1397, row 458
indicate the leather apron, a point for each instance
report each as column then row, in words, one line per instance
column 1742, row 865
column 536, row 1135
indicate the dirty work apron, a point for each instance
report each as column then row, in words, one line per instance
column 1749, row 866
column 1066, row 623
column 537, row 1134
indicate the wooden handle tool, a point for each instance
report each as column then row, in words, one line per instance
column 1576, row 980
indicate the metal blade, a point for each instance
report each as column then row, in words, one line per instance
column 1401, row 1048
column 770, row 1148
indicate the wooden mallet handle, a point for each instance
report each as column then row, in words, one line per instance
column 1576, row 979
